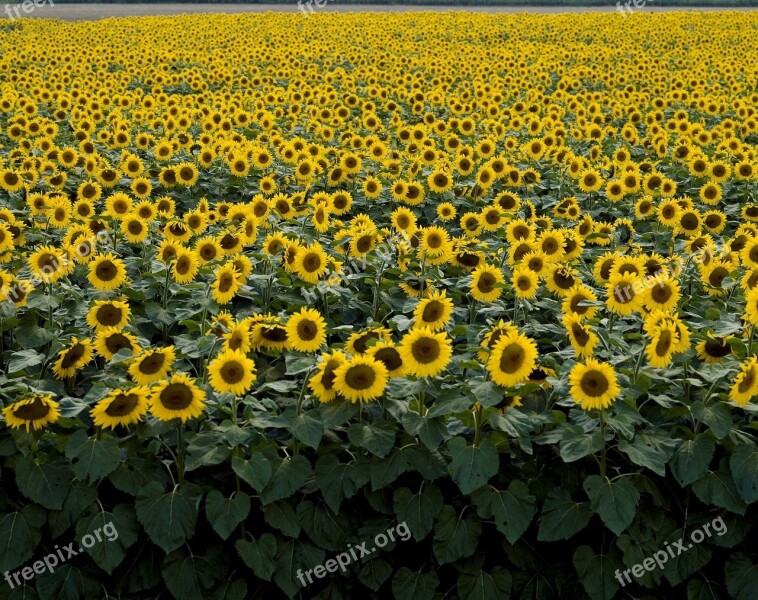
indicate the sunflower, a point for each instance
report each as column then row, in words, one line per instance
column 590, row 181
column 493, row 335
column 512, row 359
column 745, row 384
column 664, row 294
column 434, row 311
column 424, row 352
column 525, row 282
column 72, row 358
column 152, row 365
column 35, row 410
column 388, row 353
column 583, row 340
column 306, row 330
column 226, row 283
column 593, row 384
column 106, row 272
column 663, row 342
column 110, row 340
column 231, row 371
column 561, row 279
column 185, row 266
column 177, row 398
column 310, row 262
column 714, row 349
column 121, row 407
column 439, row 181
column 625, row 294
column 486, row 283
column 108, row 314
column 358, row 342
column 270, row 334
column 322, row 382
column 446, row 211
column 361, row 378
column 48, row 264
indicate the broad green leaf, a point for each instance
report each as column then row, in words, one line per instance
column 484, row 585
column 337, row 480
column 512, row 509
column 690, row 462
column 576, row 444
column 614, row 501
column 455, row 537
column 189, row 576
column 93, row 458
column 561, row 517
column 118, row 529
column 472, row 466
column 308, row 430
column 45, row 483
column 377, row 437
column 649, row 450
column 744, row 466
column 374, row 573
column 289, row 476
column 291, row 556
column 716, row 488
column 741, row 577
column 414, row 585
column 596, row 572
column 224, row 514
column 168, row 517
column 19, row 536
column 256, row 471
column 418, row 509
column 258, row 555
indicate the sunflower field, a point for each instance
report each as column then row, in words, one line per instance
column 271, row 285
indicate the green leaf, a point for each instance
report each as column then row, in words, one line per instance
column 258, row 555
column 19, row 535
column 716, row 488
column 418, row 509
column 281, row 516
column 596, row 572
column 472, row 466
column 414, row 585
column 561, row 517
column 487, row 393
column 744, row 466
column 431, row 431
column 24, row 359
column 45, row 483
column 337, row 480
column 289, row 476
column 690, row 462
column 513, row 510
column 93, row 458
column 377, row 437
column 256, row 471
column 485, row 586
column 685, row 564
column 374, row 573
column 168, row 517
column 455, row 538
column 293, row 555
column 206, row 449
column 308, row 430
column 649, row 450
column 189, row 576
column 576, row 444
column 741, row 577
column 717, row 416
column 231, row 590
column 614, row 501
column 119, row 531
column 224, row 514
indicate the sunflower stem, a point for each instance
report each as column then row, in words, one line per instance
column 750, row 341
column 180, row 451
column 603, row 450
column 477, row 424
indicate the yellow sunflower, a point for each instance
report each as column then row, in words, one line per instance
column 106, row 272
column 486, row 283
column 434, row 311
column 233, row 372
column 108, row 313
column 35, row 410
column 745, row 384
column 177, row 398
column 322, row 382
column 306, row 330
column 593, row 384
column 361, row 378
column 72, row 358
column 152, row 365
column 512, row 359
column 425, row 353
column 121, row 407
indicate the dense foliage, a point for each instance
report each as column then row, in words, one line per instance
column 273, row 285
